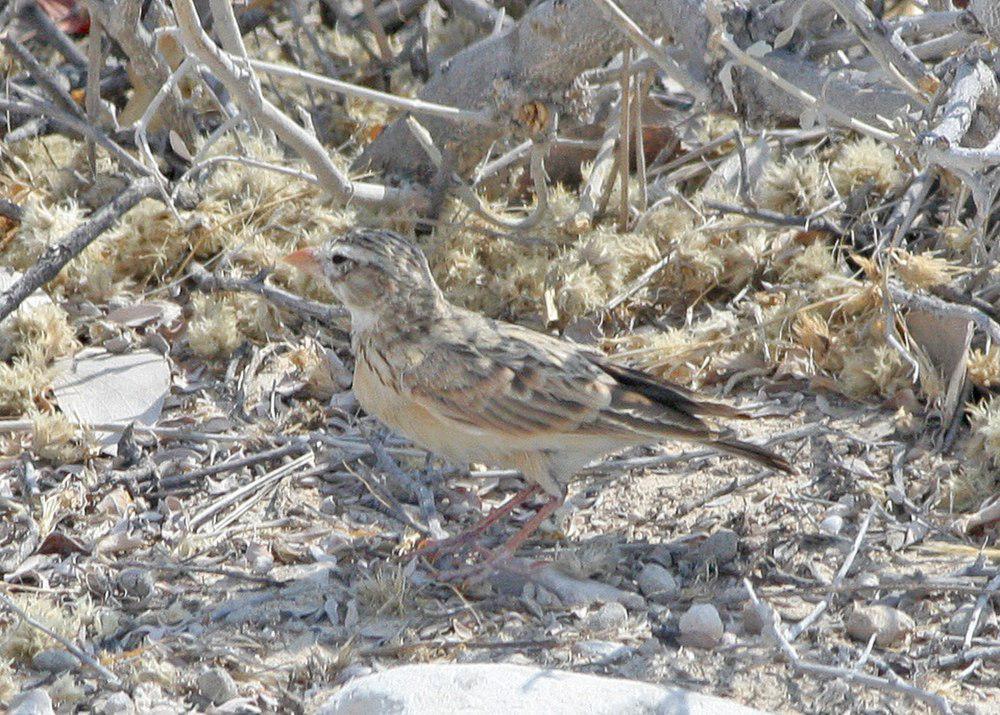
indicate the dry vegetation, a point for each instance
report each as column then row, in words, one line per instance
column 305, row 579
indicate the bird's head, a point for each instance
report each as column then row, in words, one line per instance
column 371, row 271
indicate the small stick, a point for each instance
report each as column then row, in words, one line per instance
column 95, row 59
column 623, row 140
column 229, row 465
column 283, row 299
column 274, row 475
column 977, row 611
column 657, row 52
column 803, row 625
column 83, row 656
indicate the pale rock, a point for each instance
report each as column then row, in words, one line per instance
column 449, row 688
column 755, row 617
column 887, row 624
column 216, row 685
column 115, row 704
column 609, row 617
column 31, row 702
column 958, row 624
column 701, row 626
column 54, row 660
column 831, row 525
column 603, row 651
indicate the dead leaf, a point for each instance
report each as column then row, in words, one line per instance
column 99, row 388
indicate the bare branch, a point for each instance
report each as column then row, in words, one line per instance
column 58, row 254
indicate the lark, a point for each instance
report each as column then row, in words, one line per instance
column 475, row 390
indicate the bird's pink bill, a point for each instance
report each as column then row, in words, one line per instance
column 305, row 260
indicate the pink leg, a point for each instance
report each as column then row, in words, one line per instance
column 485, row 567
column 451, row 544
column 528, row 529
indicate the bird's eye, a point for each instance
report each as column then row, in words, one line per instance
column 338, row 260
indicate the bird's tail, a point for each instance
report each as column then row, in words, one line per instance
column 754, row 453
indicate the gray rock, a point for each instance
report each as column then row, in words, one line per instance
column 443, row 687
column 31, row 702
column 609, row 617
column 216, row 685
column 54, row 660
column 722, row 546
column 137, row 583
column 657, row 584
column 888, row 625
column 754, row 617
column 115, row 704
column 701, row 626
column 958, row 624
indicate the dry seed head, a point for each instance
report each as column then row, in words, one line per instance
column 44, row 327
column 816, row 261
column 794, row 186
column 984, row 367
column 924, row 270
column 20, row 642
column 212, row 330
column 863, row 162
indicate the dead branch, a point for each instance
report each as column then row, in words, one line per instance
column 243, row 85
column 61, row 252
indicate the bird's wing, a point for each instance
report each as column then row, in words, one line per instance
column 512, row 382
column 495, row 377
column 504, row 378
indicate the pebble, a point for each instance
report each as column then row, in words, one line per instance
column 31, row 702
column 753, row 618
column 136, row 583
column 609, row 617
column 656, row 583
column 722, row 546
column 701, row 626
column 888, row 625
column 216, row 685
column 116, row 704
column 958, row 624
column 831, row 525
column 604, row 651
column 54, row 660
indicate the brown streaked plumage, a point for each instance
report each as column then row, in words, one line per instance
column 472, row 389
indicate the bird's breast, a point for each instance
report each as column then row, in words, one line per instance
column 378, row 392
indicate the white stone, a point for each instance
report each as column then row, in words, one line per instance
column 31, row 702
column 831, row 525
column 116, row 704
column 656, row 583
column 603, row 651
column 701, row 626
column 485, row 688
column 216, row 685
